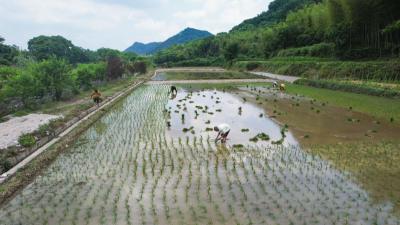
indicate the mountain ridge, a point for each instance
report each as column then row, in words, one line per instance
column 186, row 35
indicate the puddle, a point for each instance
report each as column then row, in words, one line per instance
column 202, row 110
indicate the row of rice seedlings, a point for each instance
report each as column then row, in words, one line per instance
column 297, row 186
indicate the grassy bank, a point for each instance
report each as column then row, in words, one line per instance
column 380, row 107
column 359, row 87
column 387, row 71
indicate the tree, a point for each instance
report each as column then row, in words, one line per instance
column 140, row 67
column 53, row 76
column 231, row 51
column 7, row 53
column 115, row 67
column 46, row 47
column 85, row 74
column 105, row 53
column 22, row 86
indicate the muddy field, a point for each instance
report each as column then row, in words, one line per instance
column 152, row 160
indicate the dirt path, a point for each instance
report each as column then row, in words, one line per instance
column 192, row 69
column 28, row 159
column 286, row 78
column 210, row 81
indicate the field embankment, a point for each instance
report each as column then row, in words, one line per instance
column 70, row 111
column 316, row 68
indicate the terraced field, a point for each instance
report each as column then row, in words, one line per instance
column 130, row 167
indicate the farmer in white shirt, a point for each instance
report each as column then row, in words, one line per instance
column 223, row 131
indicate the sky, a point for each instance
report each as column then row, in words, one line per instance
column 117, row 24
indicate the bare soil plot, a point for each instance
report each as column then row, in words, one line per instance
column 15, row 127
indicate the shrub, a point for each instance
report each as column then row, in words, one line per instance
column 317, row 50
column 27, row 140
column 5, row 165
column 115, row 67
column 44, row 129
column 252, row 65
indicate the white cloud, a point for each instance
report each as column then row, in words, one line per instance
column 93, row 24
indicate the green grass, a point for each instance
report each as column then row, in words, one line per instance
column 361, row 87
column 310, row 67
column 379, row 107
column 208, row 76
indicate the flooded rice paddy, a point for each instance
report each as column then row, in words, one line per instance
column 136, row 165
column 314, row 122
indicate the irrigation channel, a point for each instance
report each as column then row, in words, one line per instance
column 145, row 163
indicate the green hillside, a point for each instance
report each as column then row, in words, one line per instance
column 331, row 29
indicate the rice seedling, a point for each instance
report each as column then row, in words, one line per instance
column 238, row 146
column 136, row 172
column 260, row 137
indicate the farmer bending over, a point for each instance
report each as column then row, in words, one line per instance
column 223, row 131
column 173, row 90
column 96, row 96
column 282, row 87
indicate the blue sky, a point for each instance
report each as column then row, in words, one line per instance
column 118, row 23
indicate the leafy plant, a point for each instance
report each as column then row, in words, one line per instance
column 27, row 140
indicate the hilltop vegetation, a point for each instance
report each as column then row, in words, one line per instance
column 334, row 29
column 187, row 35
column 54, row 69
column 277, row 12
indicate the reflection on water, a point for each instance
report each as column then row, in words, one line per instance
column 126, row 169
column 202, row 110
column 320, row 122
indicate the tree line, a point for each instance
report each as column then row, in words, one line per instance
column 344, row 29
column 53, row 69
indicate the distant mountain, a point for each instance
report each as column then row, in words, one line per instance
column 187, row 35
column 143, row 49
column 277, row 12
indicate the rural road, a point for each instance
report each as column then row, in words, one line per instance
column 286, row 78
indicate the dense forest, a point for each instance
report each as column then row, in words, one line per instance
column 340, row 29
column 53, row 69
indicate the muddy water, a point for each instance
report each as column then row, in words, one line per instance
column 314, row 122
column 129, row 169
column 209, row 108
